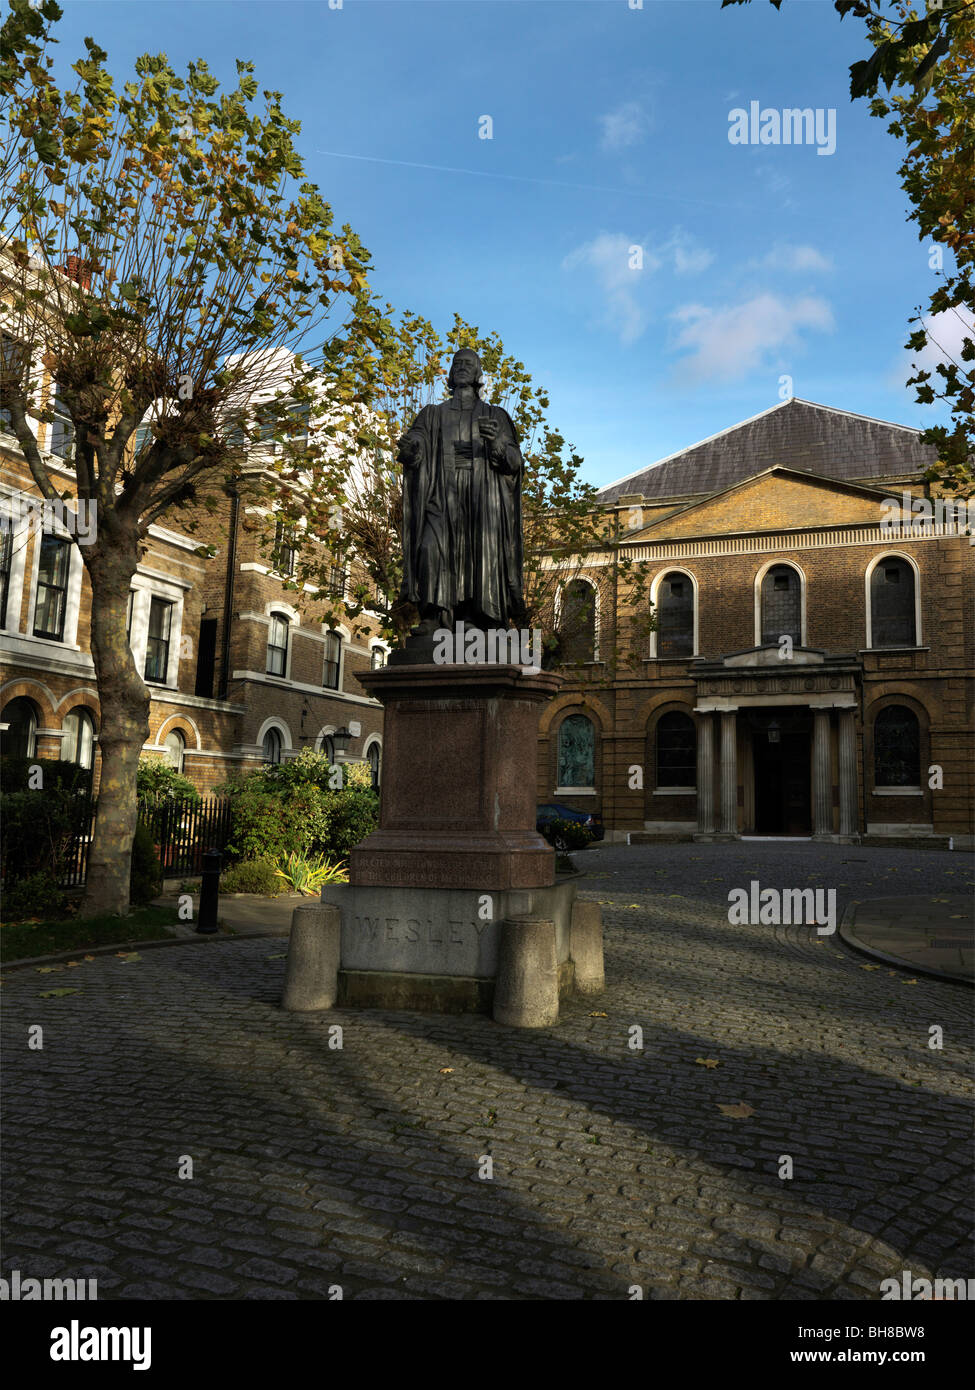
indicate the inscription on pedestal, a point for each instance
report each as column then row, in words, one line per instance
column 418, row 931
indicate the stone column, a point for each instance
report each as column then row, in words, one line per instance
column 848, row 773
column 822, row 782
column 705, row 774
column 729, row 772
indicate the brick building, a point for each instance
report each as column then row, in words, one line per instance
column 239, row 668
column 811, row 671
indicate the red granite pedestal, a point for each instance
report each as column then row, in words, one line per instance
column 452, row 905
column 459, row 779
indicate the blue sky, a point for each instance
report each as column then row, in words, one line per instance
column 610, row 132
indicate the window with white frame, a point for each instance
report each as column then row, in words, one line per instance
column 78, row 744
column 333, row 661
column 50, row 605
column 277, row 645
column 283, row 555
column 271, row 746
column 6, row 562
column 62, row 430
column 158, row 639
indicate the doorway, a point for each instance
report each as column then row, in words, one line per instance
column 781, row 758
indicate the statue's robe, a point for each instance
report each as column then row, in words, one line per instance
column 462, row 546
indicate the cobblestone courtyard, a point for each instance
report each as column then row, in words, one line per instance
column 315, row 1166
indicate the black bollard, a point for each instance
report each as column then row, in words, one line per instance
column 206, row 922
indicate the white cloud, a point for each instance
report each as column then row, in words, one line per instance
column 796, row 258
column 689, row 258
column 946, row 332
column 725, row 344
column 625, row 126
column 609, row 258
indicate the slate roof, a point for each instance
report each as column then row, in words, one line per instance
column 796, row 434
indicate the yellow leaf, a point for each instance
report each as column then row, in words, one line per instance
column 741, row 1111
column 446, row 1071
column 598, row 1015
column 709, row 1062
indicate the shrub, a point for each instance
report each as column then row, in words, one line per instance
column 36, row 830
column 38, row 895
column 155, row 780
column 145, row 879
column 308, row 875
column 57, row 775
column 252, row 876
column 566, row 834
column 290, row 808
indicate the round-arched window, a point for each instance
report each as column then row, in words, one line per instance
column 271, row 747
column 781, row 605
column 577, row 752
column 675, row 615
column 896, row 748
column 175, row 745
column 78, row 744
column 19, row 738
column 676, row 750
column 374, row 756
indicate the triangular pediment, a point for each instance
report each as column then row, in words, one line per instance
column 777, row 499
column 771, row 655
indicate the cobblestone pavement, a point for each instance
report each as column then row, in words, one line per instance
column 315, row 1166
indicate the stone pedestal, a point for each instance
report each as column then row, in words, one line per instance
column 458, row 793
column 452, row 904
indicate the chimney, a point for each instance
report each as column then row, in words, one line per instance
column 79, row 270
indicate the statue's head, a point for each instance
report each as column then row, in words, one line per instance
column 465, row 370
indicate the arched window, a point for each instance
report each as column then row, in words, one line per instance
column 377, row 659
column 328, row 748
column 577, row 752
column 277, row 645
column 892, row 618
column 175, row 745
column 78, row 744
column 19, row 738
column 578, row 622
column 333, row 660
column 272, row 746
column 896, row 748
column 374, row 755
column 675, row 615
column 676, row 751
column 781, row 605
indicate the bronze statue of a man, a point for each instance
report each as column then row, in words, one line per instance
column 462, row 545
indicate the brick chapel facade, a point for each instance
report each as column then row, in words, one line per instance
column 811, row 670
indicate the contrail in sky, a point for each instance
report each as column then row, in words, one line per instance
column 523, row 178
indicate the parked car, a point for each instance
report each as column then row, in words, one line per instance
column 553, row 810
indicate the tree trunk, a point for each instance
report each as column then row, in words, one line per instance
column 124, row 701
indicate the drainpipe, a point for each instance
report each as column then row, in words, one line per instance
column 228, row 595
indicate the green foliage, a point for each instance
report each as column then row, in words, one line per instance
column 156, row 781
column 252, row 876
column 36, row 829
column 290, row 808
column 38, row 895
column 57, row 774
column 565, row 835
column 308, row 875
column 145, row 880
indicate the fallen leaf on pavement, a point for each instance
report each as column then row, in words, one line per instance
column 709, row 1062
column 127, row 957
column 445, row 1071
column 598, row 1015
column 741, row 1111
column 57, row 993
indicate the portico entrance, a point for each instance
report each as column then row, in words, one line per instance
column 777, row 744
column 781, row 768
